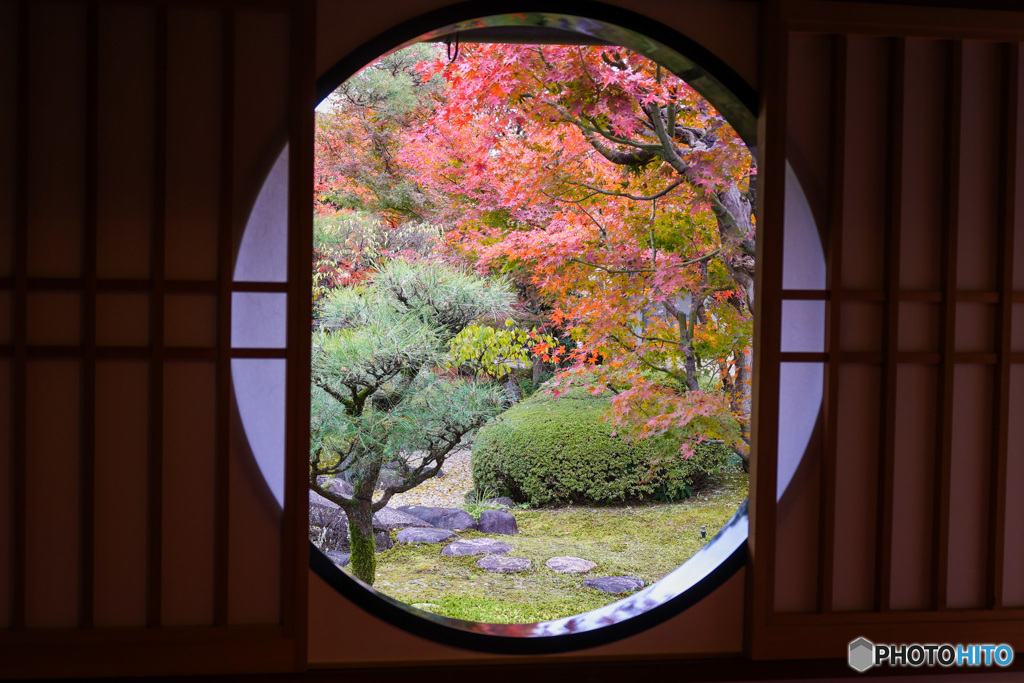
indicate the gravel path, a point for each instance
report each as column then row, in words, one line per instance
column 448, row 491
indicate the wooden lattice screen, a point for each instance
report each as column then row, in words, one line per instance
column 133, row 138
column 904, row 519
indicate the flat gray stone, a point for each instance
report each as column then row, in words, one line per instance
column 387, row 519
column 453, row 519
column 420, row 535
column 569, row 565
column 476, row 546
column 501, row 501
column 615, row 584
column 497, row 522
column 338, row 558
column 501, row 564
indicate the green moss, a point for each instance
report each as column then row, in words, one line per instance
column 648, row 540
column 364, row 554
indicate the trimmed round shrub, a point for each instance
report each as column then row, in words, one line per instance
column 549, row 450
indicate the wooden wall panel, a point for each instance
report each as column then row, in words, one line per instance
column 54, row 318
column 52, row 590
column 56, row 138
column 979, row 183
column 924, row 98
column 1013, row 569
column 7, row 520
column 121, row 503
column 188, row 491
column 913, row 484
column 968, row 511
column 115, row 293
column 255, row 518
column 855, row 495
column 8, row 131
column 920, row 468
column 122, row 319
column 194, row 102
column 261, row 56
column 126, row 95
column 865, row 146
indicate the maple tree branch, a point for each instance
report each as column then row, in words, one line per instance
column 656, row 339
column 600, row 228
column 596, row 127
column 631, row 271
column 671, row 373
column 634, row 197
column 668, row 148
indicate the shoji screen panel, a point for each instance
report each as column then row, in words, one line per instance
column 136, row 534
column 904, row 130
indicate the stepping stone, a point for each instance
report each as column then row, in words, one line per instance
column 418, row 535
column 570, row 565
column 453, row 519
column 615, row 584
column 497, row 522
column 338, row 558
column 500, row 564
column 476, row 546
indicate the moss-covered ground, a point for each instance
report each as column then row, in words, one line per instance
column 647, row 541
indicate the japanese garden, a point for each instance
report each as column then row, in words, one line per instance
column 533, row 292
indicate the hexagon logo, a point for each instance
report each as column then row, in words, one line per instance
column 862, row 654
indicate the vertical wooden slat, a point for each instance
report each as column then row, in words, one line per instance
column 890, row 324
column 772, row 136
column 1001, row 385
column 301, row 74
column 87, row 410
column 947, row 323
column 222, row 490
column 833, row 313
column 20, row 331
column 156, row 326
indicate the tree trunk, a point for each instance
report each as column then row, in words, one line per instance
column 364, row 553
column 513, row 394
column 538, row 370
column 360, row 526
column 742, row 398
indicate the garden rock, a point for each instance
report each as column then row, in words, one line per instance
column 569, row 565
column 382, row 540
column 336, row 485
column 476, row 546
column 338, row 558
column 452, row 519
column 500, row 564
column 420, row 535
column 615, row 584
column 501, row 501
column 390, row 518
column 329, row 527
column 497, row 522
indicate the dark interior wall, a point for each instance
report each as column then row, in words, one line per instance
column 135, row 536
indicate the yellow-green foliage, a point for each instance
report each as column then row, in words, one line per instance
column 495, row 352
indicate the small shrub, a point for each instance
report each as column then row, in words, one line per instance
column 550, row 450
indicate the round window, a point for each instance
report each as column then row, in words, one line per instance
column 657, row 109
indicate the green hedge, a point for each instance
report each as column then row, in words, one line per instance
column 548, row 451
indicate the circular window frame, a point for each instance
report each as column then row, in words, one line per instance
column 726, row 553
